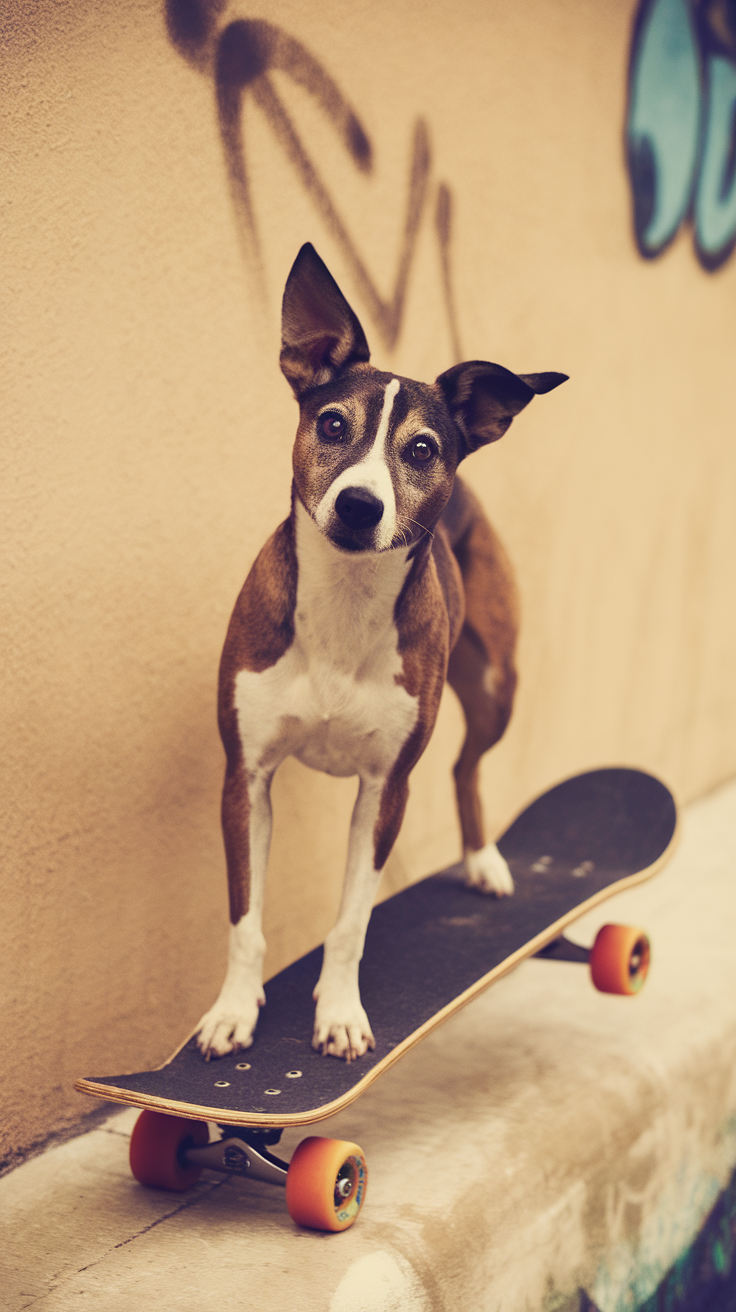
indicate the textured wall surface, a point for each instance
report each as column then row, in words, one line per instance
column 146, row 450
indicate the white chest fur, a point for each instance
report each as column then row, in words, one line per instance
column 332, row 699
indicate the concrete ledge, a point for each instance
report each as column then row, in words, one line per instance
column 549, row 1148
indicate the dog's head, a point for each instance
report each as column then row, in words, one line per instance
column 375, row 454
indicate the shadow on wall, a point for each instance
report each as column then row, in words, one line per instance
column 239, row 56
column 681, row 126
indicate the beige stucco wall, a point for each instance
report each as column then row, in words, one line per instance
column 147, row 435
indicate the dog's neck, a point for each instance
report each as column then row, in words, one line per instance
column 345, row 601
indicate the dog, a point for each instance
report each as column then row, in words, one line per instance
column 385, row 580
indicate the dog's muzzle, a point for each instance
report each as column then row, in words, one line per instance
column 358, row 508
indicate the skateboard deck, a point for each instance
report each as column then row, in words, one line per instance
column 430, row 949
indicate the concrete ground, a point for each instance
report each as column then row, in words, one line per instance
column 550, row 1148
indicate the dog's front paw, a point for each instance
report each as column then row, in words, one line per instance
column 229, row 1025
column 341, row 1026
column 487, row 871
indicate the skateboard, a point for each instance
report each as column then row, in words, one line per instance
column 430, row 949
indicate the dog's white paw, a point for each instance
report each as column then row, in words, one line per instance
column 341, row 1026
column 487, row 871
column 229, row 1025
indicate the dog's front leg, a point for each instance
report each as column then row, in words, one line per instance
column 341, row 1026
column 246, row 823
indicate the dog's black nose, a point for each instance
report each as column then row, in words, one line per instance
column 358, row 508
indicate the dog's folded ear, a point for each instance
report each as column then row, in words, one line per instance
column 320, row 333
column 483, row 398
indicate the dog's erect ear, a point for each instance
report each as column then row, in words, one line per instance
column 483, row 398
column 320, row 333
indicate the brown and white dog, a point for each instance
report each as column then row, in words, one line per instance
column 385, row 580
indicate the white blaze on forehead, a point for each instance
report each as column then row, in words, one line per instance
column 371, row 473
column 388, row 402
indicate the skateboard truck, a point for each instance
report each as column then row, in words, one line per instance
column 618, row 959
column 563, row 949
column 325, row 1180
column 243, row 1153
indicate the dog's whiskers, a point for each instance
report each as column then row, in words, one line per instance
column 416, row 523
column 408, row 520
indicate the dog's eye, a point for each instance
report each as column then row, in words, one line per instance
column 421, row 450
column 332, row 426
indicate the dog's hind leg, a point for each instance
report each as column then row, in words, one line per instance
column 482, row 673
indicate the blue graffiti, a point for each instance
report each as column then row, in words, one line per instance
column 681, row 126
column 664, row 122
column 715, row 198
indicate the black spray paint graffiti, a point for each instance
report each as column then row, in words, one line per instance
column 239, row 55
column 681, row 126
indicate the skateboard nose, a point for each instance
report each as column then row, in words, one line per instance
column 358, row 508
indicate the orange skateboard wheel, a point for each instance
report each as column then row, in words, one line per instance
column 326, row 1183
column 156, row 1144
column 619, row 959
